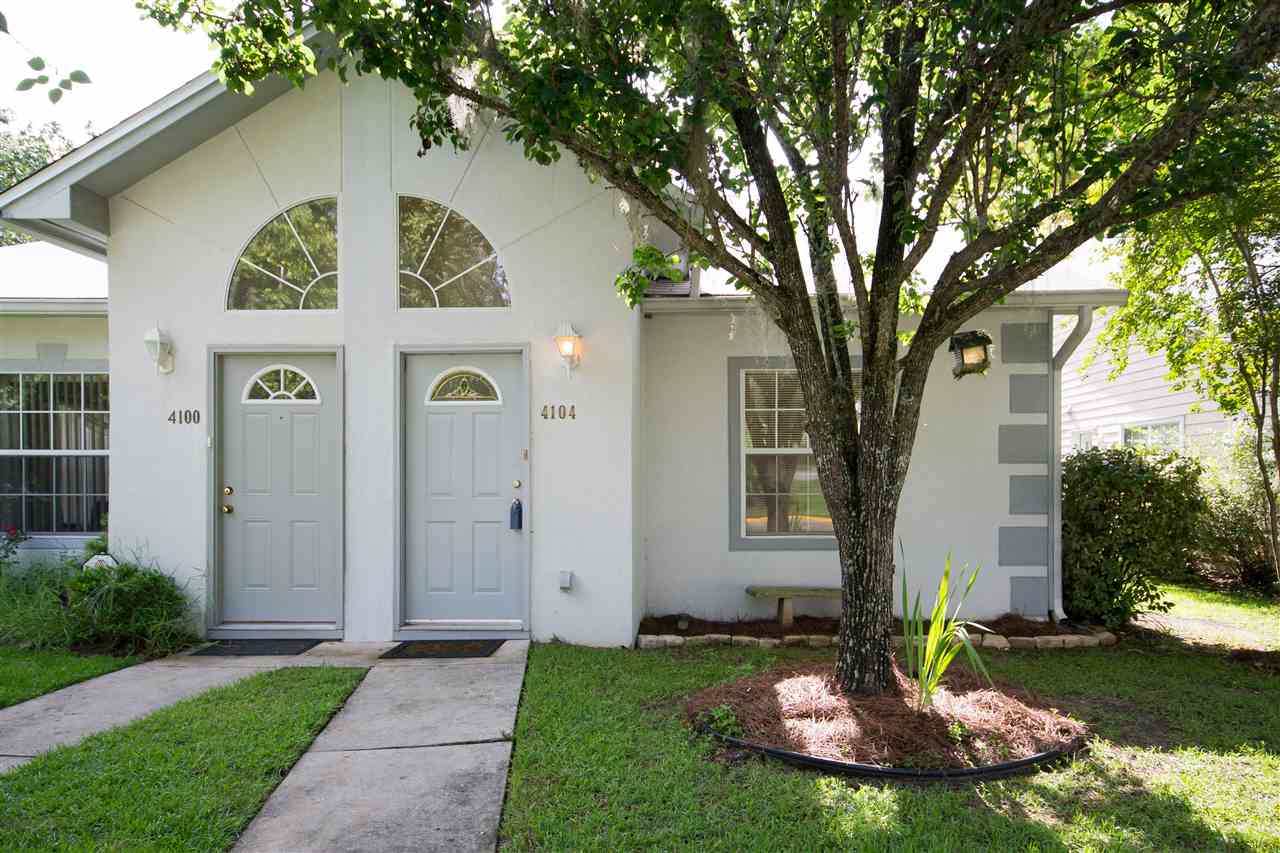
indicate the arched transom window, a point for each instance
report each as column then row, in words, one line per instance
column 291, row 263
column 445, row 262
column 280, row 383
column 463, row 385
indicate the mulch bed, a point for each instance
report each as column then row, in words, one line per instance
column 970, row 724
column 1008, row 625
column 1268, row 661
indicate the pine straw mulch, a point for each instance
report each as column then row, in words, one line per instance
column 1008, row 625
column 799, row 708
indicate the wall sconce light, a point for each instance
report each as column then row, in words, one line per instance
column 972, row 352
column 569, row 345
column 160, row 349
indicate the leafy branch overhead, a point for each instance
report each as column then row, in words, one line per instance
column 56, row 88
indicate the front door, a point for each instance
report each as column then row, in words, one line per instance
column 279, row 492
column 466, row 462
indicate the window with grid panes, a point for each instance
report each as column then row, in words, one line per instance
column 781, row 496
column 53, row 452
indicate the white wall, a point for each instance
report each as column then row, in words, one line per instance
column 176, row 235
column 955, row 500
column 1094, row 403
column 84, row 337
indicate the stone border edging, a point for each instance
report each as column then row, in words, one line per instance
column 818, row 641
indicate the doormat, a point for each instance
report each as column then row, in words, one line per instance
column 232, row 648
column 443, row 649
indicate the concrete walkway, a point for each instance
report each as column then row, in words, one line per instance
column 415, row 761
column 73, row 713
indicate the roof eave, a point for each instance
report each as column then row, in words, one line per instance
column 53, row 307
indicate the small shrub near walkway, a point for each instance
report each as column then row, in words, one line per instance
column 189, row 777
column 26, row 674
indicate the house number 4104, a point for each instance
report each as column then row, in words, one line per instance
column 553, row 412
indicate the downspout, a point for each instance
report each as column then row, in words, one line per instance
column 1084, row 322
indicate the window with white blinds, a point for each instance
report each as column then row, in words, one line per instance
column 780, row 495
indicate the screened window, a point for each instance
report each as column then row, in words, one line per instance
column 53, row 452
column 1157, row 435
column 445, row 262
column 463, row 386
column 291, row 263
column 781, row 496
column 280, row 383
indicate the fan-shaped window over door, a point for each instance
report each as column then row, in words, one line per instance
column 445, row 262
column 291, row 263
column 463, row 385
column 280, row 383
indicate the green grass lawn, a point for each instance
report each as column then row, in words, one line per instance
column 189, row 777
column 1255, row 613
column 1186, row 757
column 26, row 674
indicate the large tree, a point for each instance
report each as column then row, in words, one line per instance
column 1026, row 127
column 1204, row 287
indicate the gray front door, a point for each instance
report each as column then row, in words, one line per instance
column 466, row 460
column 279, row 489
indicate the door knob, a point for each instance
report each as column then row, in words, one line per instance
column 227, row 509
column 227, row 490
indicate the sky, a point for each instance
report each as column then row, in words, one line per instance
column 134, row 62
column 131, row 62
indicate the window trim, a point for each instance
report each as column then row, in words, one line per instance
column 46, row 539
column 1180, row 420
column 737, row 496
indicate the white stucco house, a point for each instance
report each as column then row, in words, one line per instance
column 338, row 406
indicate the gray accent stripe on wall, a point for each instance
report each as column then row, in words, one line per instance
column 1023, row 546
column 1025, row 343
column 1029, row 394
column 1028, row 494
column 1023, row 444
column 738, row 542
column 1027, row 596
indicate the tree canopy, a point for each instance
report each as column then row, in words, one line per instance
column 23, row 151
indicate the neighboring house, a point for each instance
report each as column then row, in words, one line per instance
column 341, row 406
column 1137, row 408
column 54, row 397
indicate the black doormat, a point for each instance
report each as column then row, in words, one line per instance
column 230, row 648
column 443, row 649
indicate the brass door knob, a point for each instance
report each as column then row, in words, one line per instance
column 227, row 490
column 227, row 509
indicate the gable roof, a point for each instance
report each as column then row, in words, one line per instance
column 65, row 203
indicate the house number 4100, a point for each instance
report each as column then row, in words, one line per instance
column 552, row 412
column 182, row 417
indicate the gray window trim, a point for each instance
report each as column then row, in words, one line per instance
column 737, row 541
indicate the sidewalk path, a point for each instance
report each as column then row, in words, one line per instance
column 415, row 761
column 73, row 713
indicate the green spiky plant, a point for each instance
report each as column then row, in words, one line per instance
column 929, row 653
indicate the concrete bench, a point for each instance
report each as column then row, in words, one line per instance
column 785, row 595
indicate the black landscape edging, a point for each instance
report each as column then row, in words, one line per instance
column 907, row 774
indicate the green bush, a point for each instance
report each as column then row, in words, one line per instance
column 1232, row 549
column 123, row 609
column 1129, row 520
column 129, row 609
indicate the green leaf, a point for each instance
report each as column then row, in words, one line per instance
column 43, row 79
column 36, row 63
column 24, row 85
column 55, row 95
column 4, row 25
column 64, row 83
column 79, row 77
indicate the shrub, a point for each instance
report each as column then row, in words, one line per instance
column 10, row 539
column 1232, row 549
column 125, row 609
column 129, row 609
column 1129, row 519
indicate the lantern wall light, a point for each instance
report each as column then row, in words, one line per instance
column 569, row 346
column 972, row 351
column 160, row 349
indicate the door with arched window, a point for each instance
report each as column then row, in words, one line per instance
column 279, row 481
